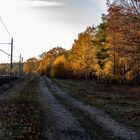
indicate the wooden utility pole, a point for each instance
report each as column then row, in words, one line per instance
column 22, row 66
column 11, row 64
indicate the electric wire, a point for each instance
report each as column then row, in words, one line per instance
column 16, row 50
column 5, row 27
column 5, row 52
column 7, row 43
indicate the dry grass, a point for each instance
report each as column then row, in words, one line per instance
column 121, row 102
column 20, row 115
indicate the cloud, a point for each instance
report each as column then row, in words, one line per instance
column 100, row 3
column 41, row 3
column 30, row 3
column 47, row 3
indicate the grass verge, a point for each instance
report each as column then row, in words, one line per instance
column 20, row 115
column 118, row 101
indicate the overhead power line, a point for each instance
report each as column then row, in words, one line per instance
column 8, row 53
column 9, row 56
column 5, row 27
column 5, row 52
column 16, row 50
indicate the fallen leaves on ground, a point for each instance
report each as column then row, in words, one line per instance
column 20, row 116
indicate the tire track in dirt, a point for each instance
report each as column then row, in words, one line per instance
column 68, row 127
column 114, row 129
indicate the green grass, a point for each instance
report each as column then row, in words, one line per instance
column 119, row 102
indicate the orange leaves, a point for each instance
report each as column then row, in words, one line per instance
column 59, row 67
column 47, row 59
column 138, row 34
column 124, row 31
column 30, row 66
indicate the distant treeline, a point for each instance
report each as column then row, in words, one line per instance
column 5, row 68
column 109, row 52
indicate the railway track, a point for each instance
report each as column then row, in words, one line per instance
column 6, row 79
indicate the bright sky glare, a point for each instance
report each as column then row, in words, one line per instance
column 39, row 25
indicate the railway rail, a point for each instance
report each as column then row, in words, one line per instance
column 4, row 79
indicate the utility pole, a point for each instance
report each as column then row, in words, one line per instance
column 11, row 64
column 22, row 66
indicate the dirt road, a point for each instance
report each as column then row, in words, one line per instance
column 58, row 115
column 67, row 127
column 70, row 119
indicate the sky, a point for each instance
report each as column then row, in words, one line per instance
column 39, row 25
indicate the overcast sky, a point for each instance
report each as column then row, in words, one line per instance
column 39, row 25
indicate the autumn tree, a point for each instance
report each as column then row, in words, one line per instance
column 59, row 67
column 124, row 28
column 47, row 58
column 31, row 66
column 82, row 54
column 4, row 69
column 102, row 65
column 111, row 51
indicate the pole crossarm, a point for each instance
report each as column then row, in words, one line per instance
column 5, row 43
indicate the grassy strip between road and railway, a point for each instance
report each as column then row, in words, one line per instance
column 118, row 101
column 20, row 117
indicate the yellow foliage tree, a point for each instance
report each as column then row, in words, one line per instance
column 31, row 66
column 59, row 67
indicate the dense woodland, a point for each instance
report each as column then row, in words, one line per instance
column 109, row 52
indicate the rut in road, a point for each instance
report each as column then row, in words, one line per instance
column 114, row 128
column 67, row 126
